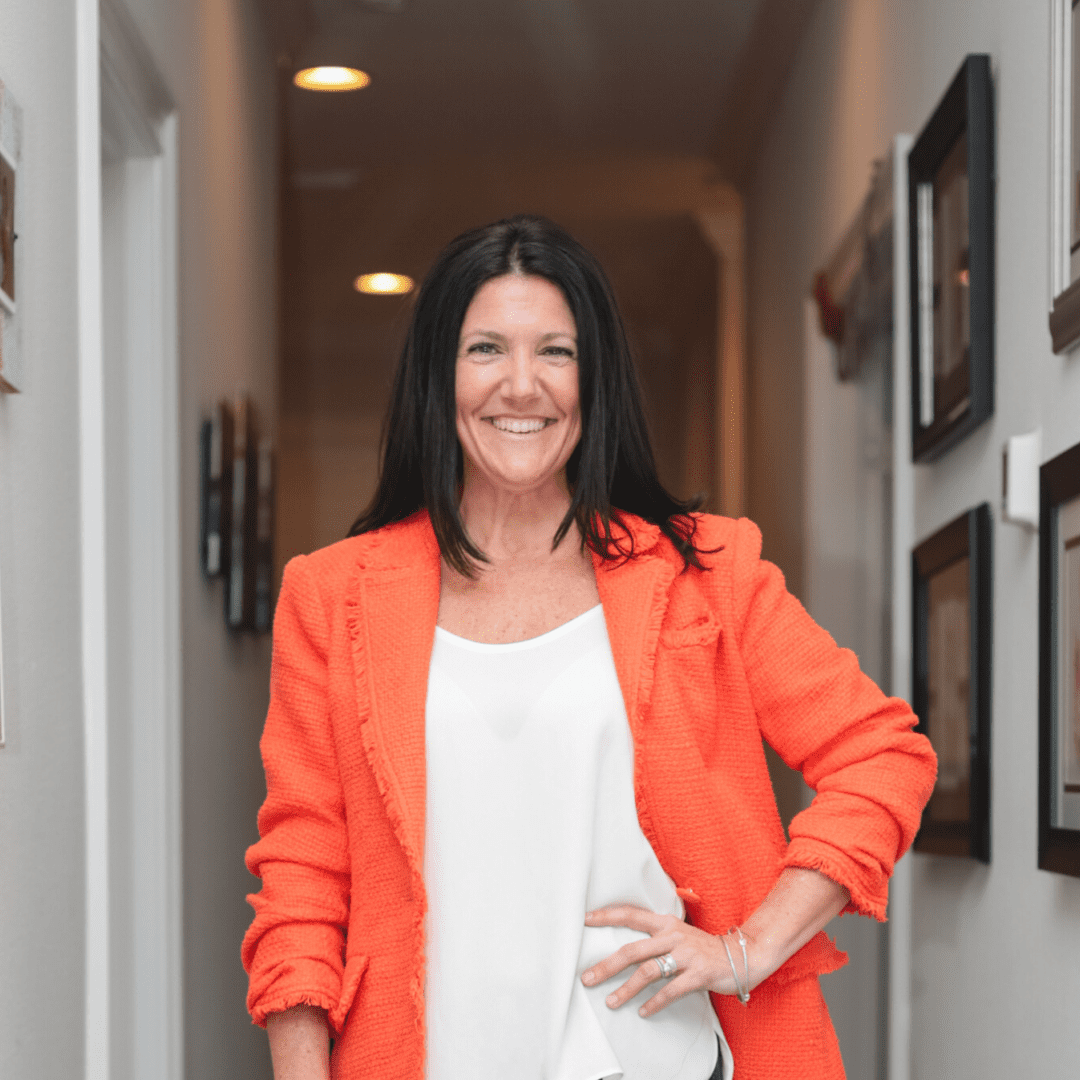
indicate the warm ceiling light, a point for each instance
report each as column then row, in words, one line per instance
column 384, row 284
column 331, row 78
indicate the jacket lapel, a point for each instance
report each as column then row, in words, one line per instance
column 395, row 604
column 634, row 594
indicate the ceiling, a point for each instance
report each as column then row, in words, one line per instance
column 543, row 77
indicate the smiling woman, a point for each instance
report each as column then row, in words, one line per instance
column 514, row 747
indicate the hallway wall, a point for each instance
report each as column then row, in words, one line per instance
column 221, row 74
column 42, row 909
column 995, row 985
column 216, row 60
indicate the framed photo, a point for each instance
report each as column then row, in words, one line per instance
column 951, row 238
column 11, row 379
column 7, row 232
column 1059, row 664
column 1065, row 175
column 951, row 656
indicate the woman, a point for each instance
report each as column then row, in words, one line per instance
column 518, row 820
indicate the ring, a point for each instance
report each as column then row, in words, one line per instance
column 666, row 964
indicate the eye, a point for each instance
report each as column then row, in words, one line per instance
column 484, row 348
column 561, row 351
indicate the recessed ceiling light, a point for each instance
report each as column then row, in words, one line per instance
column 384, row 284
column 331, row 78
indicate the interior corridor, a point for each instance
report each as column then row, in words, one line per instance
column 192, row 228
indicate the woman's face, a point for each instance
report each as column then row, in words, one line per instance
column 517, row 383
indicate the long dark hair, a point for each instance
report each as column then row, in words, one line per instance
column 612, row 468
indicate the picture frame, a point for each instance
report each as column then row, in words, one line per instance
column 951, row 241
column 1064, row 316
column 11, row 187
column 1059, row 664
column 952, row 624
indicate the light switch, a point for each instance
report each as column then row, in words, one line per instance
column 1020, row 479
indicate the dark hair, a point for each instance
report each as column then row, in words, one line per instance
column 612, row 468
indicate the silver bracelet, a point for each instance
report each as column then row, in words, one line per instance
column 741, row 992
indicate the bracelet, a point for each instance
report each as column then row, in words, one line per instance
column 741, row 992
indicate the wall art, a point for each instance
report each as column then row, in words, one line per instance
column 10, row 149
column 951, row 238
column 1059, row 664
column 237, row 491
column 1064, row 175
column 951, row 658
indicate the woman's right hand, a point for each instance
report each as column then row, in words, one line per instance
column 299, row 1043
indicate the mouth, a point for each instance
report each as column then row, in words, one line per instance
column 519, row 426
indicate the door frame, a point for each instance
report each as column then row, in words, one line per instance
column 124, row 110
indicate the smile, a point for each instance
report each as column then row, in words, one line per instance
column 519, row 427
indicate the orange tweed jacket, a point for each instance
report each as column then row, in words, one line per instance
column 710, row 662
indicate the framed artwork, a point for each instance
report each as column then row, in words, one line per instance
column 1059, row 664
column 265, row 487
column 951, row 657
column 11, row 379
column 951, row 239
column 215, row 468
column 239, row 549
column 1065, row 175
column 7, row 232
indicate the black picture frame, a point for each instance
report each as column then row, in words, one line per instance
column 952, row 585
column 952, row 285
column 1059, row 579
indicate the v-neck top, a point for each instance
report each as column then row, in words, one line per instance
column 531, row 822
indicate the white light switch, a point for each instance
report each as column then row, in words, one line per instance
column 1020, row 479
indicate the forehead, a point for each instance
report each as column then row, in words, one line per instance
column 518, row 300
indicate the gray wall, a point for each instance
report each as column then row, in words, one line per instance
column 996, row 989
column 217, row 64
column 41, row 768
column 216, row 60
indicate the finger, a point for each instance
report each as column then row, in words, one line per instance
column 647, row 972
column 680, row 986
column 634, row 952
column 629, row 915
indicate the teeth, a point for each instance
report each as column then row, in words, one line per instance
column 519, row 427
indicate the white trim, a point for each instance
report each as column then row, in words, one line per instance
column 900, row 889
column 92, row 537
column 1060, row 146
column 123, row 108
column 172, row 915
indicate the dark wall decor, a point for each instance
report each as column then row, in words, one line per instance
column 951, row 659
column 1064, row 174
column 237, row 513
column 1059, row 664
column 951, row 237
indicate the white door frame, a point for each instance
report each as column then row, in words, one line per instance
column 133, row 1012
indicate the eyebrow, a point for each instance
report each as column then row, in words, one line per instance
column 494, row 334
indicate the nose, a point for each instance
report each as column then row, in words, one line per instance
column 522, row 381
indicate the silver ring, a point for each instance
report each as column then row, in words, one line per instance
column 667, row 965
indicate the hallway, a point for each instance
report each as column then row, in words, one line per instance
column 191, row 226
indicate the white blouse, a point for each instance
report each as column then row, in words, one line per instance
column 531, row 822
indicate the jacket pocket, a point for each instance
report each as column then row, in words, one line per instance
column 701, row 631
column 355, row 966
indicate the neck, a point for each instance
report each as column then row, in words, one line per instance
column 512, row 524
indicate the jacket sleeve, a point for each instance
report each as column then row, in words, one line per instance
column 292, row 951
column 871, row 773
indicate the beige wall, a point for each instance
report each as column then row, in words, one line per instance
column 995, row 990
